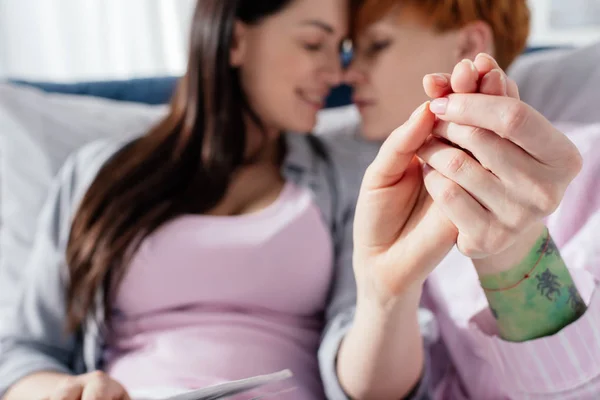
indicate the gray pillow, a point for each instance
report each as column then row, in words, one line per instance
column 38, row 131
column 561, row 84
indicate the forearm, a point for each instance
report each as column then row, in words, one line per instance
column 536, row 297
column 382, row 355
column 37, row 386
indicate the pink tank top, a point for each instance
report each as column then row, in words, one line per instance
column 208, row 299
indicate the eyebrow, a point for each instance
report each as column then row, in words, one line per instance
column 319, row 24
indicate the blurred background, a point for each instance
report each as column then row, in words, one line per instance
column 83, row 40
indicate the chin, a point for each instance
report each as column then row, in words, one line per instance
column 302, row 126
column 375, row 131
column 376, row 127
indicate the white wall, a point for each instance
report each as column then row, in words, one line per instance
column 66, row 40
column 547, row 17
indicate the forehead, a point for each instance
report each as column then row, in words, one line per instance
column 397, row 20
column 333, row 13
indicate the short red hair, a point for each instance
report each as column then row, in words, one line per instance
column 508, row 19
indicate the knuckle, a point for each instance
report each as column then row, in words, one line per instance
column 518, row 220
column 67, row 382
column 476, row 134
column 450, row 192
column 471, row 247
column 459, row 163
column 469, row 250
column 97, row 376
column 463, row 106
column 546, row 200
column 64, row 394
column 65, row 389
column 369, row 172
column 485, row 244
column 498, row 242
column 575, row 162
column 515, row 118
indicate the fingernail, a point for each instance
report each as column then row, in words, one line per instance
column 426, row 169
column 470, row 64
column 439, row 106
column 503, row 81
column 440, row 80
column 419, row 110
column 486, row 56
column 490, row 77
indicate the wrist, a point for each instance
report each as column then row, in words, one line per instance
column 374, row 313
column 535, row 298
column 382, row 354
column 515, row 257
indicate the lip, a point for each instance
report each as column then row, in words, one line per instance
column 317, row 105
column 362, row 103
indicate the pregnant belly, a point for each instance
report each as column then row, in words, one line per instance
column 204, row 355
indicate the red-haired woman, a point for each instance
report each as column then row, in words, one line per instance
column 494, row 173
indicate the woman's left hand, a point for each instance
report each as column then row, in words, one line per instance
column 497, row 166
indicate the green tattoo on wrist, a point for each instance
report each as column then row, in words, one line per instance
column 535, row 298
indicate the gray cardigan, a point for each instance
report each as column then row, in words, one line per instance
column 32, row 334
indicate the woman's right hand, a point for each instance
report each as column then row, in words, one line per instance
column 400, row 235
column 92, row 386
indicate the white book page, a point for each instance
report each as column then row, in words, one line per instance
column 219, row 391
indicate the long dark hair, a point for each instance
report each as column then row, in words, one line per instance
column 181, row 166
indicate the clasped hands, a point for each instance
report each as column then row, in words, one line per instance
column 476, row 167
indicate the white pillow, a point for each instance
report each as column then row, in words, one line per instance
column 337, row 119
column 38, row 131
column 561, row 84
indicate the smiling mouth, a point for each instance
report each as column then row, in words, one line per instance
column 362, row 103
column 316, row 101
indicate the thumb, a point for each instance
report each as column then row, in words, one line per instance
column 399, row 149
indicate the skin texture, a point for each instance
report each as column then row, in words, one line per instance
column 290, row 61
column 452, row 174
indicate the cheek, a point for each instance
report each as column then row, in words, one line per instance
column 271, row 80
column 266, row 79
column 399, row 91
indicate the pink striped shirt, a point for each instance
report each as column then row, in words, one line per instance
column 470, row 361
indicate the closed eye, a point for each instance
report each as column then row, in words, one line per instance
column 313, row 46
column 376, row 47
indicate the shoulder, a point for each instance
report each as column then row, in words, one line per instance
column 332, row 165
column 350, row 157
column 82, row 166
column 350, row 154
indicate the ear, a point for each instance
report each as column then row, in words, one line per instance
column 237, row 53
column 474, row 38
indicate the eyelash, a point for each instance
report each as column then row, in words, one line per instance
column 378, row 46
column 313, row 47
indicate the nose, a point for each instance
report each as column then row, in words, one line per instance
column 334, row 73
column 354, row 74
